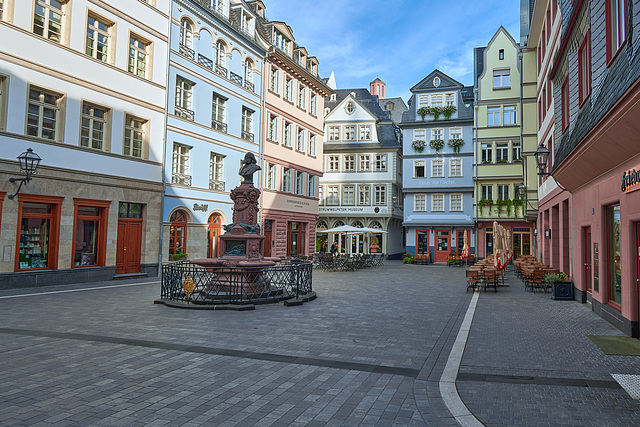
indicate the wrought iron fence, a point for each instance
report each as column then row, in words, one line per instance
column 220, row 70
column 250, row 86
column 185, row 113
column 181, row 178
column 187, row 51
column 235, row 78
column 247, row 135
column 219, row 126
column 193, row 284
column 203, row 60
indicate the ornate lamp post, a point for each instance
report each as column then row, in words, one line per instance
column 542, row 155
column 29, row 162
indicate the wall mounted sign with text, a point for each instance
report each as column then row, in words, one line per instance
column 630, row 181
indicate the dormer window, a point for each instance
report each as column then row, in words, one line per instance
column 218, row 6
column 246, row 23
column 301, row 61
column 280, row 41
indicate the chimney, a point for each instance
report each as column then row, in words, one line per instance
column 377, row 88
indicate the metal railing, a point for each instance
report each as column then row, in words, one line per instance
column 219, row 126
column 187, row 51
column 216, row 185
column 248, row 136
column 250, row 86
column 203, row 60
column 221, row 71
column 193, row 284
column 185, row 113
column 181, row 178
column 235, row 78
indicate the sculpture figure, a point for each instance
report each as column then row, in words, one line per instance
column 248, row 168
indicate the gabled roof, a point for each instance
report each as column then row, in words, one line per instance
column 426, row 84
column 363, row 97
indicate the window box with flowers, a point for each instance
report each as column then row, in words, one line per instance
column 436, row 144
column 456, row 143
column 485, row 203
column 434, row 111
column 418, row 145
column 448, row 111
column 503, row 203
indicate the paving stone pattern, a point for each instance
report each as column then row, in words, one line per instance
column 369, row 351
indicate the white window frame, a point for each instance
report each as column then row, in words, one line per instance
column 42, row 106
column 502, row 79
column 274, row 80
column 134, row 136
column 312, row 145
column 302, row 96
column 364, row 195
column 456, row 202
column 420, row 202
column 364, row 162
column 300, row 183
column 486, row 192
column 349, row 132
column 349, row 163
column 216, row 171
column 180, row 164
column 503, row 191
column 437, row 202
column 286, row 179
column 437, row 168
column 365, row 132
column 380, row 194
column 301, row 146
column 437, row 133
column 312, row 185
column 455, row 133
column 417, row 164
column 218, row 108
column 493, row 116
column 139, row 49
column 288, row 88
column 287, row 141
column 509, row 115
column 333, row 195
column 314, row 105
column 348, row 195
column 273, row 128
column 97, row 46
column 334, row 133
column 455, row 167
column 94, row 127
column 272, row 176
column 502, row 152
column 49, row 12
column 423, row 101
column 333, row 163
column 380, row 163
column 486, row 152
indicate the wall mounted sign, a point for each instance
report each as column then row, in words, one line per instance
column 630, row 181
column 197, row 207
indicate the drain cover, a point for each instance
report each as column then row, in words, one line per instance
column 631, row 383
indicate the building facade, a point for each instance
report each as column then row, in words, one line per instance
column 505, row 143
column 362, row 183
column 213, row 118
column 438, row 168
column 82, row 84
column 292, row 146
column 596, row 155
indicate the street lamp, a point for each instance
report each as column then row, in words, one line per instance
column 521, row 192
column 29, row 162
column 542, row 155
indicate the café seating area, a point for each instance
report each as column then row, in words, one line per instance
column 345, row 262
column 483, row 274
column 533, row 273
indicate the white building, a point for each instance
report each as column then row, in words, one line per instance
column 82, row 83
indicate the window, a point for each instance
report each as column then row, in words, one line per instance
column 455, row 133
column 584, row 68
column 90, row 232
column 280, row 41
column 43, row 116
column 334, row 133
column 501, row 54
column 455, row 167
column 134, row 136
column 423, row 101
column 350, row 133
column 247, row 124
column 221, row 58
column 39, row 219
column 616, row 16
column 501, row 79
column 564, row 100
column 312, row 145
column 436, row 100
column 332, row 195
column 420, row 203
column 437, row 203
column 301, row 141
column 288, row 134
column 349, row 163
column 184, row 99
column 419, row 169
column 97, row 42
column 248, row 74
column 288, row 89
column 272, row 176
column 380, row 195
column 503, row 191
column 93, row 128
column 516, row 149
column 487, row 192
column 493, row 116
column 614, row 255
column 364, row 195
column 3, row 102
column 138, row 54
column 437, row 168
column 455, row 202
column 419, row 135
column 314, row 105
column 437, row 133
column 186, row 38
column 365, row 132
column 48, row 18
column 502, row 152
column 217, row 5
column 2, row 7
column 348, row 195
column 509, row 114
column 300, row 183
column 178, row 233
column 312, row 185
column 365, row 162
column 302, row 97
column 274, row 80
column 286, row 180
column 218, row 105
column 350, row 107
column 273, row 128
column 381, row 162
column 487, row 153
column 216, row 168
column 180, row 168
column 320, row 193
column 449, row 99
column 334, row 163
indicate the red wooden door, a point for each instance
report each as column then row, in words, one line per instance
column 128, row 246
column 638, row 269
column 587, row 258
column 442, row 245
column 268, row 226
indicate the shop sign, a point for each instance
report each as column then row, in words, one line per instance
column 630, row 181
column 197, row 207
column 298, row 203
column 353, row 209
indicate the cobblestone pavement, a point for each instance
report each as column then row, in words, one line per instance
column 369, row 350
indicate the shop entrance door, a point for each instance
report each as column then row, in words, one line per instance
column 587, row 258
column 214, row 233
column 268, row 227
column 443, row 245
column 295, row 239
column 128, row 246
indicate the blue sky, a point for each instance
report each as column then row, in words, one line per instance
column 400, row 41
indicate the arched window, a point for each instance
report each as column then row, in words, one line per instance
column 376, row 224
column 186, row 33
column 178, row 232
column 214, row 222
column 338, row 224
column 221, row 54
column 321, row 225
column 248, row 71
column 357, row 224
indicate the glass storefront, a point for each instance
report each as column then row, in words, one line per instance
column 34, row 236
column 615, row 271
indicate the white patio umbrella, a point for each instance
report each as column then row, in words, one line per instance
column 465, row 244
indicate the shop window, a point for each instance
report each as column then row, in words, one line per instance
column 615, row 270
column 178, row 232
column 90, row 232
column 39, row 224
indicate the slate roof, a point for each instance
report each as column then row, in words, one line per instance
column 399, row 107
column 479, row 63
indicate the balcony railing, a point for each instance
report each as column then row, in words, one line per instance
column 185, row 113
column 220, row 70
column 219, row 126
column 203, row 60
column 235, row 78
column 181, row 178
column 187, row 51
column 250, row 86
column 247, row 136
column 216, row 185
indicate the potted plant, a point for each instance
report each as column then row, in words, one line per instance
column 436, row 144
column 448, row 111
column 178, row 257
column 562, row 288
column 423, row 111
column 456, row 143
column 408, row 258
column 418, row 145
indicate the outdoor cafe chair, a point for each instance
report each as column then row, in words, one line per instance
column 490, row 276
column 473, row 279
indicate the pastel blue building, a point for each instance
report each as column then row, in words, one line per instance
column 438, row 167
column 213, row 118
